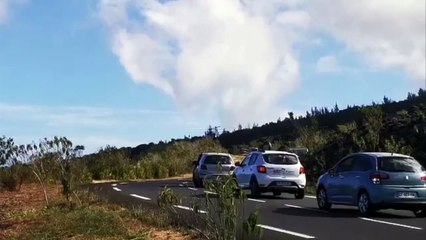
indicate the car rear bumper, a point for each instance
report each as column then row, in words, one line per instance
column 274, row 186
column 385, row 197
column 214, row 176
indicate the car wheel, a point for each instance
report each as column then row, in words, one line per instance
column 254, row 188
column 364, row 204
column 195, row 181
column 276, row 194
column 322, row 200
column 420, row 213
column 300, row 194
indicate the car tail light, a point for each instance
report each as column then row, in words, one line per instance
column 423, row 178
column 261, row 169
column 302, row 170
column 378, row 177
column 232, row 168
column 203, row 167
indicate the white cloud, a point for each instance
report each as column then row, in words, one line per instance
column 328, row 64
column 389, row 34
column 77, row 117
column 94, row 127
column 236, row 60
column 5, row 6
column 228, row 58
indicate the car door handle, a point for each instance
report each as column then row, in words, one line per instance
column 357, row 176
column 341, row 176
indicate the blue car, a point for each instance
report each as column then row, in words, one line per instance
column 373, row 181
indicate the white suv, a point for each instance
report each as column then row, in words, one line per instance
column 271, row 171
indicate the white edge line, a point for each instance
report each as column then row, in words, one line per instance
column 308, row 209
column 292, row 206
column 116, row 189
column 188, row 208
column 256, row 200
column 308, row 196
column 390, row 223
column 193, row 189
column 141, row 197
column 208, row 192
column 285, row 231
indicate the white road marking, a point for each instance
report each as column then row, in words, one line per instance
column 193, row 189
column 309, row 209
column 292, row 206
column 181, row 185
column 285, row 231
column 123, row 183
column 114, row 184
column 208, row 192
column 141, row 197
column 308, row 196
column 116, row 189
column 256, row 200
column 391, row 223
column 188, row 208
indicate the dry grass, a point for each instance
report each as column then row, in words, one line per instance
column 238, row 158
column 185, row 176
column 23, row 216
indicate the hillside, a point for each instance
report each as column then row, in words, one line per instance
column 329, row 135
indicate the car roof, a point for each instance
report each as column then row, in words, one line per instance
column 274, row 152
column 382, row 154
column 216, row 153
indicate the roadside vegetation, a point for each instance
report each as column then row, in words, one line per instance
column 329, row 134
column 216, row 213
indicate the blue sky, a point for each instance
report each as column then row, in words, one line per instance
column 87, row 70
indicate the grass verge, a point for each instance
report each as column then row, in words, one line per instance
column 22, row 216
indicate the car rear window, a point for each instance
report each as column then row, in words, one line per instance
column 282, row 159
column 216, row 159
column 399, row 164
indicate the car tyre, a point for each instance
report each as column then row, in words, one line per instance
column 420, row 213
column 254, row 188
column 322, row 200
column 276, row 193
column 364, row 204
column 195, row 181
column 300, row 194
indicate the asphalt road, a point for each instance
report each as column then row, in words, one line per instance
column 283, row 217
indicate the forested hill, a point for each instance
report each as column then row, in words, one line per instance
column 328, row 133
column 396, row 115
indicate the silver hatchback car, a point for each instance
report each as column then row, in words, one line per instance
column 373, row 181
column 212, row 166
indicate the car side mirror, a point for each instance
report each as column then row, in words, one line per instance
column 194, row 163
column 332, row 171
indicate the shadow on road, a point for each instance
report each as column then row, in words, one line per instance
column 334, row 213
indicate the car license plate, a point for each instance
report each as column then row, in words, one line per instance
column 283, row 183
column 406, row 195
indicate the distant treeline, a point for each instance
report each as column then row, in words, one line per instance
column 329, row 134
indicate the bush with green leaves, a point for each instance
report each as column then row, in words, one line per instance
column 214, row 216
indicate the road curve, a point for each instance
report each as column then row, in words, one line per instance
column 282, row 217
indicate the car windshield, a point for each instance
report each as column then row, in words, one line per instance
column 280, row 159
column 216, row 159
column 399, row 164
